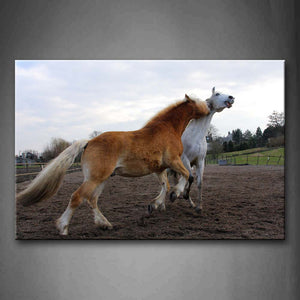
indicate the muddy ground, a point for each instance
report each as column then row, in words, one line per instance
column 239, row 202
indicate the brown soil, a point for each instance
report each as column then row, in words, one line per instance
column 239, row 202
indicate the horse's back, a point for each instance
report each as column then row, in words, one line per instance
column 127, row 153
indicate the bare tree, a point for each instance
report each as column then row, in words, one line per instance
column 276, row 119
column 56, row 146
column 94, row 134
column 215, row 148
column 212, row 133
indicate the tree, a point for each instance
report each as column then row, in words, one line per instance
column 258, row 132
column 275, row 127
column 94, row 134
column 237, row 136
column 276, row 119
column 247, row 135
column 56, row 146
column 215, row 148
column 272, row 132
column 259, row 137
column 230, row 146
column 212, row 133
column 268, row 133
column 252, row 143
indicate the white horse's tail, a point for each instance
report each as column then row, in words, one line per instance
column 49, row 179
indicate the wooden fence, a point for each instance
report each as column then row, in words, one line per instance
column 246, row 159
column 28, row 171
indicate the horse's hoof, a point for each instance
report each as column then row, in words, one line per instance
column 150, row 209
column 198, row 210
column 63, row 229
column 192, row 204
column 104, row 226
column 162, row 207
column 173, row 196
column 186, row 194
column 107, row 227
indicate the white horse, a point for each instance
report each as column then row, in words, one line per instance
column 195, row 145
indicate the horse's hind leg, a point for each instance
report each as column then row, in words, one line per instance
column 178, row 167
column 159, row 201
column 199, row 171
column 83, row 192
column 99, row 218
column 186, row 193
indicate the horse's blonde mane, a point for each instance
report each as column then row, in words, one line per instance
column 194, row 97
column 163, row 112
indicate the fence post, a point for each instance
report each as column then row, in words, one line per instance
column 257, row 159
column 278, row 160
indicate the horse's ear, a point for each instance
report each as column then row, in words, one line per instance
column 187, row 98
column 213, row 90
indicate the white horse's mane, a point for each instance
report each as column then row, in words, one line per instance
column 191, row 96
column 194, row 97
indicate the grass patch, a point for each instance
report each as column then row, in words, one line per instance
column 255, row 156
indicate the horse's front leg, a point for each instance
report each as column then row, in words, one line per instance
column 199, row 172
column 159, row 201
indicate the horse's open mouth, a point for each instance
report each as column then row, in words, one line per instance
column 228, row 104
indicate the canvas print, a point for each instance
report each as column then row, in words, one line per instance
column 149, row 149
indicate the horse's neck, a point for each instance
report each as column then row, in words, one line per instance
column 198, row 128
column 180, row 124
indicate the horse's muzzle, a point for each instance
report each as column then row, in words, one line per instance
column 229, row 102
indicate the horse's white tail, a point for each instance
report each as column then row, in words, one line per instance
column 49, row 179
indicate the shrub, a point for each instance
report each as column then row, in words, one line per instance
column 56, row 146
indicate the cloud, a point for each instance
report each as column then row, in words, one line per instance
column 70, row 99
column 28, row 120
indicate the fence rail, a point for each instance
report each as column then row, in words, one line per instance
column 28, row 171
column 246, row 159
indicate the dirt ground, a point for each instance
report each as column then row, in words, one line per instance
column 239, row 202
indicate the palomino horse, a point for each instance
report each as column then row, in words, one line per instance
column 152, row 149
column 195, row 145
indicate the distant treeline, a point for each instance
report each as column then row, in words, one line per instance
column 272, row 136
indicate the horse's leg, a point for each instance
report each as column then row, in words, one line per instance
column 186, row 193
column 83, row 192
column 159, row 201
column 99, row 218
column 199, row 172
column 178, row 167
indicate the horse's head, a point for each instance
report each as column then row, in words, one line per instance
column 200, row 107
column 218, row 101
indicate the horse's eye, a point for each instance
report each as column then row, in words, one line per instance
column 217, row 94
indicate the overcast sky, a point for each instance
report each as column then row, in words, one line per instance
column 70, row 99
